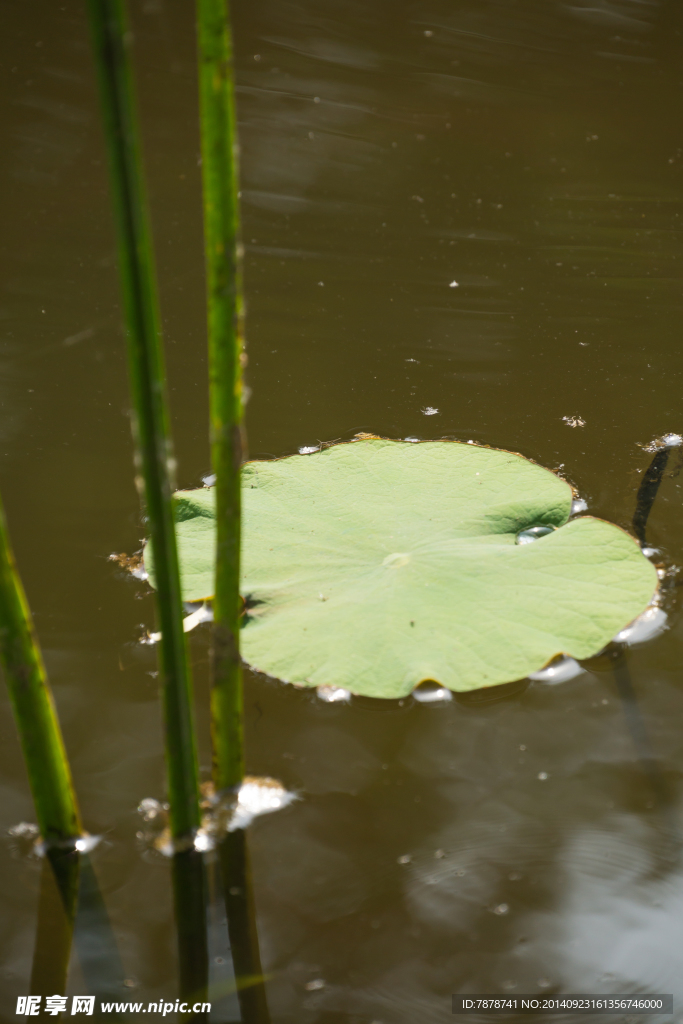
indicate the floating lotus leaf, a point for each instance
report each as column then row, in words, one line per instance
column 375, row 565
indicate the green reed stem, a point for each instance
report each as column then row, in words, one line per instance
column 225, row 314
column 34, row 711
column 154, row 463
column 225, row 323
column 150, row 417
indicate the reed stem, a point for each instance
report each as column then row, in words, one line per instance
column 225, row 315
column 154, row 463
column 225, row 329
column 150, row 417
column 34, row 711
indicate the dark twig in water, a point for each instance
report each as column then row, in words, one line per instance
column 647, row 492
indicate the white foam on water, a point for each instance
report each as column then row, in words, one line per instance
column 258, row 796
column 560, row 670
column 650, row 624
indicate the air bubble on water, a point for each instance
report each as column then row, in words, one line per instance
column 650, row 624
column 209, row 480
column 333, row 694
column 315, row 985
column 430, row 692
column 560, row 670
column 405, row 858
column 257, row 796
column 429, row 411
column 578, row 505
column 532, row 533
column 650, row 552
column 501, row 909
column 454, row 284
column 309, row 449
column 542, row 776
column 414, row 440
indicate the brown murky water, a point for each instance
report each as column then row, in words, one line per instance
column 530, row 151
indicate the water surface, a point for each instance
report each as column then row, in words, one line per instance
column 529, row 151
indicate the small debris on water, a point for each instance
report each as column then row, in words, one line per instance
column 578, row 505
column 309, row 449
column 131, row 563
column 258, row 796
column 333, row 694
column 665, row 441
column 150, row 809
column 24, row 840
column 501, row 909
column 429, row 411
column 315, row 985
column 209, row 480
column 405, row 858
column 542, row 776
column 439, row 854
column 454, row 284
column 574, row 421
column 413, row 440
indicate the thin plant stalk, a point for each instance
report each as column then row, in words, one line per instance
column 225, row 316
column 34, row 710
column 48, row 769
column 154, row 463
column 150, row 416
column 225, row 331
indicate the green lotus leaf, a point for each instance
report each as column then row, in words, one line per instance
column 374, row 565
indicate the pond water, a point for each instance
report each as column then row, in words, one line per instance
column 462, row 219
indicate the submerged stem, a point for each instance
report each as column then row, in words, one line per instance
column 647, row 492
column 55, row 926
